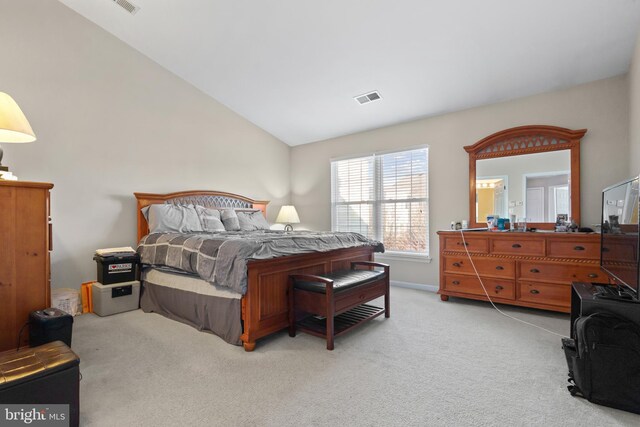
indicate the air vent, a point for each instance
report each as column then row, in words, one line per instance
column 368, row 97
column 128, row 6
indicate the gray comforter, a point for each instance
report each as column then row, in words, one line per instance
column 221, row 258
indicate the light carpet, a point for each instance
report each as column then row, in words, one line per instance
column 455, row 363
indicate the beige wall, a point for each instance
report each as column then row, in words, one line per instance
column 601, row 106
column 634, row 112
column 110, row 122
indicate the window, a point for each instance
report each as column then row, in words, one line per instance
column 384, row 197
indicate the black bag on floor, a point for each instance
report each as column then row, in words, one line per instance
column 604, row 361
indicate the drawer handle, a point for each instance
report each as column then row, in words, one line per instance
column 456, row 282
column 499, row 267
column 499, row 288
column 462, row 243
column 534, row 291
column 534, row 270
column 578, row 248
column 456, row 264
column 516, row 245
column 592, row 275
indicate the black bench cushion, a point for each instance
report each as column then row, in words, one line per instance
column 30, row 363
column 342, row 280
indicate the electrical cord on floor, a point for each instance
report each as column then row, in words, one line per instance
column 20, row 336
column 464, row 244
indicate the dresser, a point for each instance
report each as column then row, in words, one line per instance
column 527, row 269
column 25, row 243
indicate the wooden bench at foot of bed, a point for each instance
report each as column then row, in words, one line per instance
column 265, row 305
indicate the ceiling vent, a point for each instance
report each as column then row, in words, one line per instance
column 368, row 97
column 128, row 6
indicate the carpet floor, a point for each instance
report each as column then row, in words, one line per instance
column 457, row 363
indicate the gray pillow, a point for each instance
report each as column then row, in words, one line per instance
column 166, row 218
column 252, row 221
column 230, row 220
column 210, row 219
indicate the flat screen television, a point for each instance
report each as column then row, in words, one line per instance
column 619, row 243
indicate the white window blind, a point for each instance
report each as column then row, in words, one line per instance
column 384, row 197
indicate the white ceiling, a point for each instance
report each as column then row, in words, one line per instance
column 292, row 67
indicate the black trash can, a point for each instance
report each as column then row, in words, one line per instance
column 50, row 325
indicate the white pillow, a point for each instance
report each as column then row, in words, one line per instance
column 249, row 221
column 169, row 218
column 210, row 219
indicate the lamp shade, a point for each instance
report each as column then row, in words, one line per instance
column 288, row 215
column 14, row 126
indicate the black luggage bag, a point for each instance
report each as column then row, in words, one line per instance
column 604, row 361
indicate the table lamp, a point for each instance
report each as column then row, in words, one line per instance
column 288, row 215
column 14, row 126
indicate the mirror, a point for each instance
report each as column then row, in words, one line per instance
column 531, row 172
column 532, row 186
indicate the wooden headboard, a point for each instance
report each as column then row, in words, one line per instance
column 210, row 199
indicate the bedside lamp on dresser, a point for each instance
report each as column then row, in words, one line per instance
column 25, row 237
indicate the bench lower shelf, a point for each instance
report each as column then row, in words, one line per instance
column 343, row 322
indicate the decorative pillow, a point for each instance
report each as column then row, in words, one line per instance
column 252, row 221
column 230, row 220
column 167, row 218
column 210, row 219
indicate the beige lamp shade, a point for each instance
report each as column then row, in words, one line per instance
column 288, row 215
column 14, row 126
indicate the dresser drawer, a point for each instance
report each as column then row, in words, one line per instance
column 578, row 249
column 474, row 244
column 620, row 252
column 471, row 285
column 540, row 293
column 557, row 272
column 517, row 246
column 486, row 266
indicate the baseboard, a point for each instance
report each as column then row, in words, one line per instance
column 420, row 286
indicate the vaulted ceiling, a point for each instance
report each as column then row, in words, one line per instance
column 292, row 67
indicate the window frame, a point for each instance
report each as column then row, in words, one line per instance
column 378, row 201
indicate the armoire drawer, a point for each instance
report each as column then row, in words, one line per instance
column 517, row 246
column 495, row 267
column 473, row 244
column 560, row 272
column 544, row 293
column 576, row 249
column 471, row 285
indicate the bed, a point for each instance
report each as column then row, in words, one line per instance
column 258, row 311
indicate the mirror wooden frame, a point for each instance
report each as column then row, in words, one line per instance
column 527, row 140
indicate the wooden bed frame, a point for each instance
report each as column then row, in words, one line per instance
column 265, row 305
